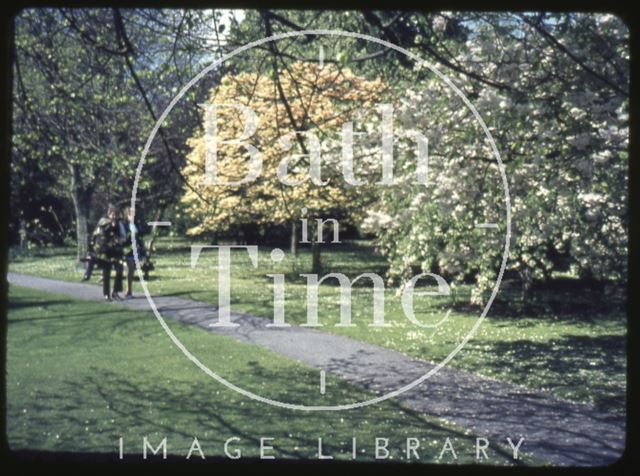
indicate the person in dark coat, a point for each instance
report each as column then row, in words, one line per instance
column 91, row 262
column 134, row 230
column 109, row 238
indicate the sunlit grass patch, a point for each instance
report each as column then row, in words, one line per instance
column 81, row 375
column 578, row 355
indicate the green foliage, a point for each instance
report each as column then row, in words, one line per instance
column 552, row 88
column 89, row 85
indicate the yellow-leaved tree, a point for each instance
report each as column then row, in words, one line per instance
column 298, row 110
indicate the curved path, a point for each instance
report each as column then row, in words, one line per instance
column 555, row 430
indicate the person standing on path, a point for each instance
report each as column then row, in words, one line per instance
column 132, row 231
column 109, row 238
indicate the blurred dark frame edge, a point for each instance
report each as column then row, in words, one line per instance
column 28, row 459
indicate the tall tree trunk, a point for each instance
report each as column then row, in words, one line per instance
column 316, row 263
column 82, row 209
column 158, row 217
column 526, row 276
column 81, row 197
column 23, row 233
column 294, row 238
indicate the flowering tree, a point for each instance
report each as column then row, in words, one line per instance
column 554, row 94
column 298, row 111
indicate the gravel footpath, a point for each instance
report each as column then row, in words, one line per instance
column 555, row 430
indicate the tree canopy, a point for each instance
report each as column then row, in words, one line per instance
column 553, row 89
column 317, row 102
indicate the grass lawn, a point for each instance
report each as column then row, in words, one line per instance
column 80, row 375
column 572, row 344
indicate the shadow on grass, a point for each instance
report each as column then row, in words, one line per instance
column 184, row 407
column 561, row 299
column 184, row 410
column 588, row 366
column 95, row 321
column 19, row 303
